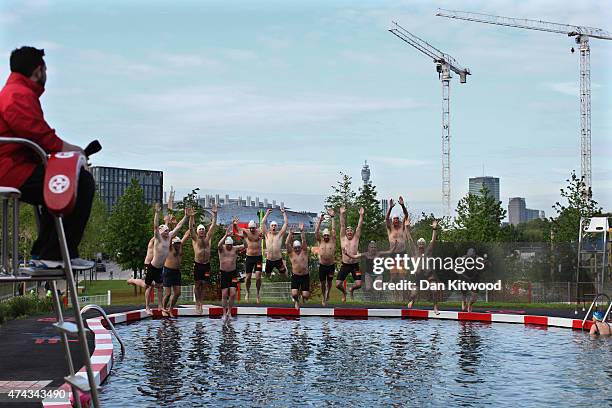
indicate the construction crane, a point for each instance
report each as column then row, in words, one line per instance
column 582, row 35
column 444, row 65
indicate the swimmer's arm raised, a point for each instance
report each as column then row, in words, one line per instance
column 185, row 237
column 342, row 222
column 285, row 221
column 318, row 228
column 360, row 223
column 156, row 220
column 213, row 224
column 194, row 234
column 388, row 215
column 264, row 222
column 288, row 242
column 303, row 236
column 180, row 224
column 332, row 214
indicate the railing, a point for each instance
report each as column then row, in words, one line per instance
column 105, row 317
column 269, row 291
column 104, row 300
column 586, row 316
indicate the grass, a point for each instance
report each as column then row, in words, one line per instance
column 123, row 294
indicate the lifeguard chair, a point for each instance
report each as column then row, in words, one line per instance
column 60, row 189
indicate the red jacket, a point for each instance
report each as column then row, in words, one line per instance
column 21, row 116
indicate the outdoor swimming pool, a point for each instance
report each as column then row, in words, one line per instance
column 314, row 361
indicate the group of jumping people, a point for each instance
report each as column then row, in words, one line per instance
column 165, row 251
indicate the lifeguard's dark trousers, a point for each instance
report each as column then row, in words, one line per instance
column 46, row 245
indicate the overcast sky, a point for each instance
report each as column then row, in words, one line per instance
column 277, row 97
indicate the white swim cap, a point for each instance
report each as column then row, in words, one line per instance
column 325, row 231
column 201, row 227
column 421, row 241
column 252, row 224
column 175, row 240
column 229, row 241
column 163, row 228
column 274, row 223
column 297, row 244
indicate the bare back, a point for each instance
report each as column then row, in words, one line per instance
column 149, row 256
column 161, row 247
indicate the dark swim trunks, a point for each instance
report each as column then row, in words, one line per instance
column 278, row 264
column 229, row 279
column 152, row 274
column 326, row 272
column 353, row 269
column 201, row 272
column 300, row 282
column 253, row 263
column 171, row 277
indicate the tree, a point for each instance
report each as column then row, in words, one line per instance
column 579, row 203
column 190, row 201
column 478, row 218
column 93, row 237
column 343, row 195
column 373, row 219
column 129, row 229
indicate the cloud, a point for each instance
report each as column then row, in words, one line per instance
column 400, row 162
column 245, row 106
column 567, row 88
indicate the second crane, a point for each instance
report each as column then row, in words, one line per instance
column 444, row 65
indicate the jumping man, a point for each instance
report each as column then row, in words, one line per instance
column 396, row 229
column 228, row 274
column 254, row 260
column 327, row 255
column 423, row 272
column 200, row 240
column 172, row 273
column 349, row 241
column 274, row 240
column 298, row 255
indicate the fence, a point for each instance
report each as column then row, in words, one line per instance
column 8, row 290
column 100, row 300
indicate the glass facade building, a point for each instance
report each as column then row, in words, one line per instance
column 111, row 183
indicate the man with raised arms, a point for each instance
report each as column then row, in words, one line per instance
column 172, row 273
column 422, row 272
column 327, row 255
column 349, row 241
column 396, row 229
column 228, row 274
column 300, row 278
column 274, row 241
column 200, row 240
column 254, row 259
column 157, row 250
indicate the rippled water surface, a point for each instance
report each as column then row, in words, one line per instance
column 314, row 361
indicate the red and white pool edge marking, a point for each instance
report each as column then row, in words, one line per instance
column 102, row 356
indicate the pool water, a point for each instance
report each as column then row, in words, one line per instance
column 314, row 361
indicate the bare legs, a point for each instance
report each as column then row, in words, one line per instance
column 325, row 289
column 199, row 295
column 227, row 299
column 354, row 287
column 340, row 287
column 295, row 294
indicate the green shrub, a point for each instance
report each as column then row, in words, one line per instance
column 22, row 306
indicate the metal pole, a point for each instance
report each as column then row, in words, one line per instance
column 60, row 319
column 446, row 175
column 16, row 236
column 59, row 226
column 5, row 235
column 585, row 110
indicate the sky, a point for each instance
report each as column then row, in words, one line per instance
column 275, row 98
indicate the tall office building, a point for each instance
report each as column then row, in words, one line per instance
column 531, row 215
column 491, row 183
column 111, row 183
column 517, row 210
column 384, row 205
